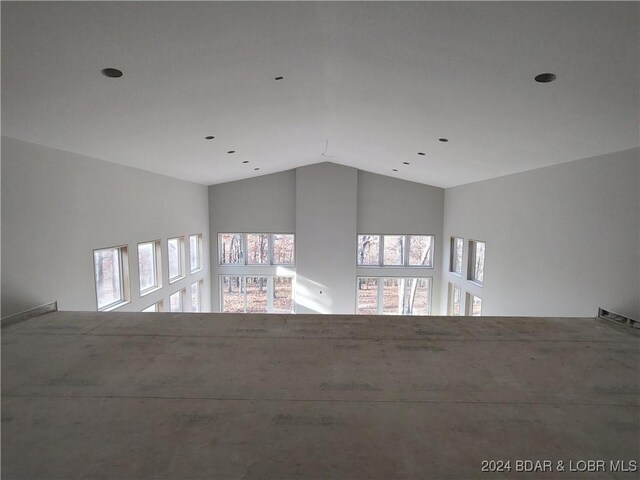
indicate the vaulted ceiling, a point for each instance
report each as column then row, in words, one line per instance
column 368, row 85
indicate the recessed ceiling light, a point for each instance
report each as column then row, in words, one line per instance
column 231, row 151
column 245, row 161
column 545, row 77
column 209, row 137
column 395, row 169
column 112, row 72
column 279, row 78
column 443, row 140
column 256, row 168
column 421, row 153
column 406, row 163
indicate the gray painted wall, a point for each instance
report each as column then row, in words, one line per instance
column 57, row 207
column 326, row 204
column 561, row 241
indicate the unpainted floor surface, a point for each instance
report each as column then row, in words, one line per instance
column 222, row 396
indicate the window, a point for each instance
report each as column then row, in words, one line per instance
column 176, row 301
column 175, row 247
column 455, row 261
column 474, row 305
column 394, row 295
column 156, row 307
column 283, row 249
column 476, row 261
column 149, row 267
column 256, row 294
column 454, row 300
column 195, row 252
column 195, row 296
column 256, row 249
column 395, row 250
column 111, row 268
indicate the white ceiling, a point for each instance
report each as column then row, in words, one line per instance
column 380, row 81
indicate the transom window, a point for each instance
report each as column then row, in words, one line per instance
column 256, row 294
column 256, row 249
column 111, row 268
column 394, row 295
column 476, row 261
column 375, row 250
column 149, row 267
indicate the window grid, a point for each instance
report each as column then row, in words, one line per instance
column 243, row 256
column 409, row 285
column 406, row 253
column 244, row 305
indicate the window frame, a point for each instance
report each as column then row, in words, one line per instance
column 181, row 294
column 380, row 292
column 469, row 305
column 157, row 305
column 452, row 287
column 200, row 253
column 452, row 255
column 406, row 255
column 269, row 291
column 199, row 284
column 471, row 267
column 157, row 261
column 243, row 248
column 181, row 259
column 124, row 279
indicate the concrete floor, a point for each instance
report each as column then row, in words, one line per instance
column 182, row 396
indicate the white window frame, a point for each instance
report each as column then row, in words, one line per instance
column 469, row 304
column 243, row 247
column 181, row 260
column 157, row 307
column 181, row 294
column 123, row 259
column 380, row 293
column 199, row 283
column 471, row 269
column 406, row 255
column 452, row 255
column 157, row 255
column 270, row 287
column 452, row 287
column 199, row 252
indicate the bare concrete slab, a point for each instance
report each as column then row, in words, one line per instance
column 137, row 396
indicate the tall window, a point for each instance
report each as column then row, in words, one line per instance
column 256, row 294
column 149, row 267
column 175, row 247
column 256, row 249
column 195, row 296
column 394, row 295
column 176, row 301
column 395, row 250
column 111, row 268
column 476, row 261
column 454, row 300
column 455, row 262
column 195, row 252
column 474, row 305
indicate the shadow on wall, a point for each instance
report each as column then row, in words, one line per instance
column 313, row 296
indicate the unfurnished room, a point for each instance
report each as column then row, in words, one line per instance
column 312, row 240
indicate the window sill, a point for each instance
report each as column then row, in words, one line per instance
column 110, row 308
column 149, row 290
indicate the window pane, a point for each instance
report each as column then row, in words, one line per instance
column 421, row 250
column 455, row 300
column 232, row 294
column 230, row 248
column 394, row 246
column 152, row 308
column 456, row 255
column 474, row 306
column 175, row 302
column 256, row 294
column 195, row 242
column 147, row 265
column 257, row 248
column 368, row 250
column 283, row 249
column 476, row 256
column 175, row 258
column 283, row 294
column 195, row 297
column 391, row 295
column 367, row 296
column 417, row 296
column 108, row 276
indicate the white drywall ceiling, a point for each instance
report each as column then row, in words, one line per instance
column 380, row 81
